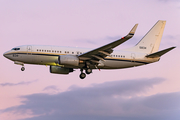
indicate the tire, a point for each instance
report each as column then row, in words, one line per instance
column 82, row 75
column 23, row 68
column 88, row 71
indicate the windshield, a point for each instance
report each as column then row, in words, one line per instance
column 15, row 49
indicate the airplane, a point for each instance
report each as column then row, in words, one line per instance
column 63, row 60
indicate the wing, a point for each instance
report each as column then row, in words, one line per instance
column 100, row 53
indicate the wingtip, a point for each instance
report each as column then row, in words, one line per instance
column 172, row 47
column 133, row 29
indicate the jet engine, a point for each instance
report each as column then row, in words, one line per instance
column 60, row 70
column 68, row 60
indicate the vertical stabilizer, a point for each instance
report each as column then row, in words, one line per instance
column 151, row 41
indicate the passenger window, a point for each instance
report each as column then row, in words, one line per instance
column 72, row 52
column 40, row 50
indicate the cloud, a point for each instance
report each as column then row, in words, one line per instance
column 16, row 84
column 110, row 100
column 52, row 89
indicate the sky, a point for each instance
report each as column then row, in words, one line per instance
column 146, row 92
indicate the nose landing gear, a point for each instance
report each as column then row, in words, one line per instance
column 20, row 63
column 22, row 68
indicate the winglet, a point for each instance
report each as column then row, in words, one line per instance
column 133, row 30
column 160, row 53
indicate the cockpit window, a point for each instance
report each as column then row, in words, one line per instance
column 15, row 49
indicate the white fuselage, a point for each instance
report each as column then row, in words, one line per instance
column 48, row 55
column 63, row 60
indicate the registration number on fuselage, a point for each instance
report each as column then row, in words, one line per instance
column 142, row 47
column 15, row 55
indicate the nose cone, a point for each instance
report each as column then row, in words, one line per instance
column 5, row 54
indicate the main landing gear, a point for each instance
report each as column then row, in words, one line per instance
column 83, row 75
column 88, row 71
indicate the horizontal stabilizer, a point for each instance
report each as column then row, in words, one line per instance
column 160, row 53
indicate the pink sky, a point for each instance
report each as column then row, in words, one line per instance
column 88, row 24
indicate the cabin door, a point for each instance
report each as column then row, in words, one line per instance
column 29, row 50
column 133, row 56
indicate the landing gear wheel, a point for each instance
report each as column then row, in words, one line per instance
column 88, row 71
column 82, row 75
column 23, row 68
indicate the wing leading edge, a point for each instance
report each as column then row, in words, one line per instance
column 100, row 53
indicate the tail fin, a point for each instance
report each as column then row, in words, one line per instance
column 151, row 41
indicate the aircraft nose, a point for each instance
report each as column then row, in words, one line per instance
column 5, row 54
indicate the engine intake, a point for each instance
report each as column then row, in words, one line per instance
column 68, row 60
column 60, row 70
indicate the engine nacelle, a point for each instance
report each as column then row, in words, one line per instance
column 60, row 70
column 68, row 60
